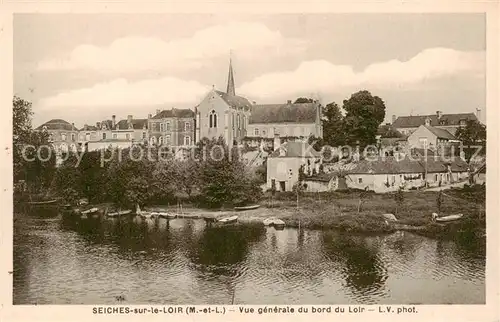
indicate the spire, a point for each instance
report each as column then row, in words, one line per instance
column 230, row 79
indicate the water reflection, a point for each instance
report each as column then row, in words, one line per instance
column 361, row 266
column 182, row 261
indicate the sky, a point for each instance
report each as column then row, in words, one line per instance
column 83, row 68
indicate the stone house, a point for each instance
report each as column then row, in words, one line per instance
column 174, row 127
column 284, row 162
column 450, row 122
column 429, row 137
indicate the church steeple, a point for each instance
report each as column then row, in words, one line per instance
column 230, row 80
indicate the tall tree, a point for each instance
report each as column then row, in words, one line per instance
column 473, row 135
column 333, row 125
column 364, row 114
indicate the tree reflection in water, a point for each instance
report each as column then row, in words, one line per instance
column 361, row 267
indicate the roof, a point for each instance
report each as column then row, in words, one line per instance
column 136, row 123
column 174, row 112
column 446, row 119
column 57, row 124
column 440, row 133
column 387, row 165
column 295, row 149
column 89, row 128
column 235, row 101
column 322, row 177
column 282, row 113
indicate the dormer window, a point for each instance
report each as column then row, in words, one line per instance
column 462, row 122
column 44, row 128
column 427, row 122
column 213, row 119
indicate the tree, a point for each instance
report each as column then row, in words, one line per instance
column 387, row 131
column 364, row 114
column 186, row 176
column 333, row 125
column 37, row 166
column 472, row 135
column 302, row 100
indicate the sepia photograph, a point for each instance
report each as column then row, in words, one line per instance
column 249, row 159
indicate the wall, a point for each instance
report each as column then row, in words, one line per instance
column 422, row 132
column 283, row 169
column 213, row 102
column 377, row 182
column 284, row 129
column 97, row 145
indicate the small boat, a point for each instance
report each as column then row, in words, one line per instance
column 446, row 218
column 246, row 208
column 228, row 220
column 118, row 213
column 90, row 211
column 43, row 203
column 279, row 224
column 143, row 214
column 275, row 222
column 167, row 215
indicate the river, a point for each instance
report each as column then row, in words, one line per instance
column 182, row 261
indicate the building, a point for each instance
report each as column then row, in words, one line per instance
column 112, row 134
column 429, row 137
column 286, row 120
column 284, row 162
column 223, row 114
column 450, row 122
column 174, row 127
column 62, row 135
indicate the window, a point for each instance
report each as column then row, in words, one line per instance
column 87, row 136
column 187, row 140
column 167, row 139
column 160, row 140
column 128, row 136
column 167, row 126
column 233, row 122
column 436, row 177
column 256, row 132
column 187, row 126
column 153, row 126
column 263, row 132
column 73, row 137
column 153, row 140
column 213, row 119
column 114, row 135
column 162, row 127
column 360, row 180
column 462, row 122
column 63, row 136
column 104, row 136
column 143, row 135
column 238, row 121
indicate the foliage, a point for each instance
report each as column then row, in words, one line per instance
column 333, row 125
column 364, row 114
column 37, row 165
column 439, row 200
column 302, row 100
column 472, row 135
column 399, row 198
column 387, row 131
column 261, row 172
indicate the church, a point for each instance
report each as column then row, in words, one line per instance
column 234, row 117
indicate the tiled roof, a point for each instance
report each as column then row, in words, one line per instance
column 440, row 133
column 323, row 177
column 180, row 113
column 235, row 101
column 57, row 124
column 446, row 119
column 295, row 149
column 137, row 124
column 387, row 165
column 282, row 113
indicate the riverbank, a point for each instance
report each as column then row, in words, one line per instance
column 353, row 212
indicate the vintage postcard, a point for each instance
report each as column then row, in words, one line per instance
column 250, row 163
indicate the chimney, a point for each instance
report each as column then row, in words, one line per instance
column 427, row 121
column 129, row 119
column 478, row 114
column 72, row 126
column 439, row 114
column 277, row 141
column 149, row 116
column 98, row 125
column 393, row 118
column 289, row 102
column 113, row 118
column 158, row 112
